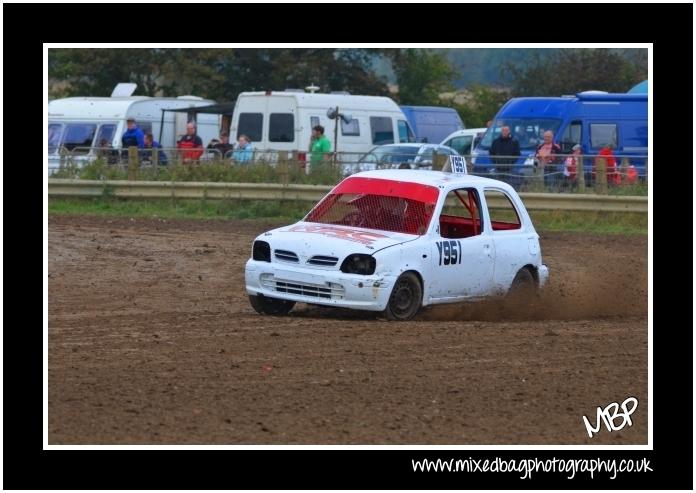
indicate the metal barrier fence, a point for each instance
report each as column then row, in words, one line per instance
column 310, row 193
column 599, row 174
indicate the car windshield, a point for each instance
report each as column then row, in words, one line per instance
column 391, row 154
column 384, row 205
column 529, row 132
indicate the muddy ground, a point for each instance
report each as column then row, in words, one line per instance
column 152, row 340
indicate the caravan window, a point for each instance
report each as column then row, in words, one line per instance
column 352, row 128
column 602, row 134
column 250, row 124
column 55, row 131
column 382, row 130
column 146, row 127
column 281, row 127
column 78, row 137
column 105, row 136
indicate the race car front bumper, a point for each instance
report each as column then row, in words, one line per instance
column 316, row 286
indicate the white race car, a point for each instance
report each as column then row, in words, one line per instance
column 396, row 240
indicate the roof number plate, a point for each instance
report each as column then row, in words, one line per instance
column 457, row 165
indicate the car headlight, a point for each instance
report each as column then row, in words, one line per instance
column 359, row 263
column 261, row 251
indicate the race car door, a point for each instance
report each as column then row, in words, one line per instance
column 462, row 256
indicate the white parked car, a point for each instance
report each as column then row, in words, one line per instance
column 396, row 240
column 464, row 141
column 398, row 156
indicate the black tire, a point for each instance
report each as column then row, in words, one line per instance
column 404, row 166
column 270, row 306
column 405, row 299
column 523, row 289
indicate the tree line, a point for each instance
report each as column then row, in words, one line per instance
column 422, row 75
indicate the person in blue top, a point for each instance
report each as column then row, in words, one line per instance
column 133, row 137
column 244, row 151
column 151, row 143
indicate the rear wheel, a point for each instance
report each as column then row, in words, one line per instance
column 270, row 306
column 405, row 299
column 523, row 289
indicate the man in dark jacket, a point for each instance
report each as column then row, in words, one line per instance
column 505, row 145
column 151, row 143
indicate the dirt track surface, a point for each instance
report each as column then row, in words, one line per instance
column 152, row 340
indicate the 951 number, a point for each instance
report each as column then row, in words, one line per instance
column 450, row 252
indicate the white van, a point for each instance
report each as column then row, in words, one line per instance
column 78, row 125
column 464, row 141
column 283, row 121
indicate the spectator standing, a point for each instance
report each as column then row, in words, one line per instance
column 244, row 153
column 547, row 156
column 507, row 146
column 133, row 136
column 151, row 143
column 606, row 153
column 191, row 143
column 570, row 168
column 319, row 146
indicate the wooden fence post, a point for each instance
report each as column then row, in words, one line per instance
column 581, row 175
column 439, row 161
column 601, row 176
column 133, row 163
column 283, row 168
column 623, row 170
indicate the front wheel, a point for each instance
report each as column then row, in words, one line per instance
column 270, row 306
column 405, row 299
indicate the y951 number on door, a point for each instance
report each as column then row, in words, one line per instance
column 450, row 252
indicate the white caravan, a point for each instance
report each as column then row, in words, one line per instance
column 283, row 121
column 76, row 126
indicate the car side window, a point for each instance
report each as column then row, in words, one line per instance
column 501, row 211
column 461, row 214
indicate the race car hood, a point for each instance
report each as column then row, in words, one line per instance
column 308, row 239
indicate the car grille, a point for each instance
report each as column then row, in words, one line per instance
column 323, row 260
column 286, row 256
column 329, row 290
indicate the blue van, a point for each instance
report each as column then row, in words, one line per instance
column 432, row 123
column 591, row 119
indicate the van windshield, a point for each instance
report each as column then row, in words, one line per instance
column 529, row 132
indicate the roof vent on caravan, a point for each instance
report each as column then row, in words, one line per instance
column 312, row 88
column 123, row 90
column 593, row 92
column 294, row 90
column 188, row 96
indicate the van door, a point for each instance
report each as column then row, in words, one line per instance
column 404, row 131
column 571, row 135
